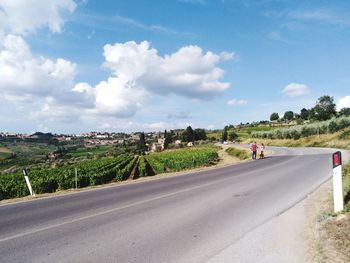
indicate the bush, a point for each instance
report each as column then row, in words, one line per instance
column 305, row 130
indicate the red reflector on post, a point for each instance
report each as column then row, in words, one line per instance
column 336, row 159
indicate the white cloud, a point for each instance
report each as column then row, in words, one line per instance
column 138, row 72
column 277, row 36
column 22, row 74
column 53, row 112
column 118, row 97
column 343, row 103
column 235, row 102
column 321, row 15
column 225, row 56
column 188, row 72
column 26, row 16
column 295, row 90
column 126, row 125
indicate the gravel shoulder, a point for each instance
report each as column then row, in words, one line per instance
column 307, row 232
column 281, row 239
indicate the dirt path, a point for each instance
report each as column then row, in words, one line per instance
column 225, row 158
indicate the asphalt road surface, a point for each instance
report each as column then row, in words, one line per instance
column 187, row 218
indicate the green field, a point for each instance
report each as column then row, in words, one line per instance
column 89, row 151
column 105, row 170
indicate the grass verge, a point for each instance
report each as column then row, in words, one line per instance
column 334, row 229
column 324, row 140
column 239, row 153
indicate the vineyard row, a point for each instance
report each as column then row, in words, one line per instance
column 102, row 171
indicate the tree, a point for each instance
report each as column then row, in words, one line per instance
column 188, row 135
column 288, row 115
column 304, row 114
column 324, row 109
column 167, row 139
column 224, row 134
column 141, row 146
column 344, row 112
column 232, row 136
column 274, row 116
column 200, row 134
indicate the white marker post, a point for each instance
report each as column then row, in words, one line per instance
column 337, row 183
column 28, row 182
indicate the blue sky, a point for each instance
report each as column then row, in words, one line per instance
column 74, row 66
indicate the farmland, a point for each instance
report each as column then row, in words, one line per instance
column 300, row 131
column 105, row 170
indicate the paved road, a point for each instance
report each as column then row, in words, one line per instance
column 188, row 218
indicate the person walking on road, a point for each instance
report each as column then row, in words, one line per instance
column 262, row 148
column 253, row 148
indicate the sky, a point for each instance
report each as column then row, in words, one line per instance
column 73, row 66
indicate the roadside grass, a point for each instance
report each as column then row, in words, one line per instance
column 346, row 187
column 5, row 155
column 323, row 140
column 239, row 153
column 334, row 228
column 4, row 150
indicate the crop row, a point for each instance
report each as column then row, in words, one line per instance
column 101, row 171
column 182, row 159
column 92, row 172
column 299, row 131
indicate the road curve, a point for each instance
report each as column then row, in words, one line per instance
column 187, row 218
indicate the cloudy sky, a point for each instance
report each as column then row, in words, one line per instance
column 71, row 66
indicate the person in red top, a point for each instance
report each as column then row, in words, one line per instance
column 253, row 148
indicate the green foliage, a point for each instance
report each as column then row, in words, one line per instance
column 344, row 112
column 299, row 131
column 224, row 134
column 188, row 135
column 141, row 146
column 239, row 153
column 182, row 159
column 101, row 171
column 345, row 135
column 124, row 173
column 200, row 134
column 167, row 139
column 304, row 114
column 144, row 168
column 92, row 172
column 274, row 116
column 346, row 187
column 288, row 115
column 232, row 136
column 324, row 109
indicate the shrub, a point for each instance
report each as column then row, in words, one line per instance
column 305, row 130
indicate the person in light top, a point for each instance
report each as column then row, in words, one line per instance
column 262, row 148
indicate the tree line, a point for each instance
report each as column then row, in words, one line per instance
column 324, row 109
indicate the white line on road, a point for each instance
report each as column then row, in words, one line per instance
column 131, row 205
column 114, row 209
